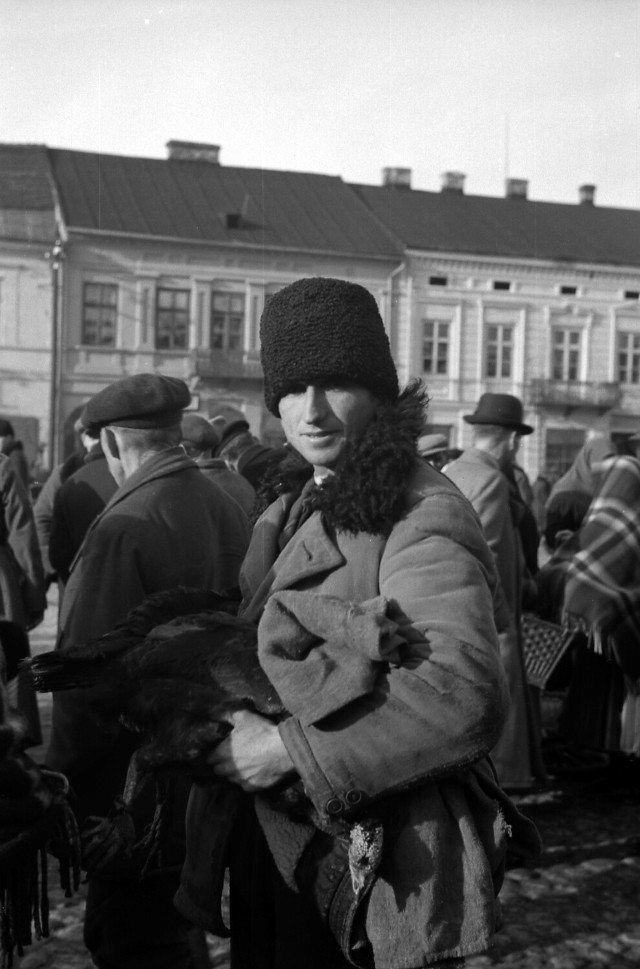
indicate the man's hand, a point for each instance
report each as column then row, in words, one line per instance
column 253, row 755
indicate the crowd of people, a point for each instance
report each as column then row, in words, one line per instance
column 386, row 576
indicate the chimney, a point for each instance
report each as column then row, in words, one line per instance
column 516, row 188
column 587, row 194
column 399, row 178
column 453, row 182
column 193, row 151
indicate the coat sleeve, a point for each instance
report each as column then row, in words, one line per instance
column 442, row 708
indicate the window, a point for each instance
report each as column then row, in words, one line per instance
column 562, row 447
column 435, row 346
column 437, row 280
column 631, row 294
column 568, row 290
column 99, row 310
column 172, row 319
column 565, row 361
column 629, row 358
column 227, row 321
column 499, row 359
column 501, row 284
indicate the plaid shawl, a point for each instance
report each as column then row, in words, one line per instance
column 600, row 568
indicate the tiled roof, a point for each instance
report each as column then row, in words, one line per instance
column 26, row 196
column 511, row 227
column 190, row 200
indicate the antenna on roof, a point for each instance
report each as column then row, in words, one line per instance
column 506, row 147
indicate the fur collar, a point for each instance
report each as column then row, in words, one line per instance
column 367, row 492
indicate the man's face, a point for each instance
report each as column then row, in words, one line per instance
column 319, row 421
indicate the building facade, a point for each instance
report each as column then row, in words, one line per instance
column 165, row 265
column 510, row 296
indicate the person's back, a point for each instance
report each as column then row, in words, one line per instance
column 165, row 526
column 235, row 484
column 200, row 438
column 43, row 508
column 77, row 503
column 22, row 585
column 484, row 474
column 571, row 495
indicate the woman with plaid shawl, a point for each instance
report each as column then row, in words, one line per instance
column 592, row 584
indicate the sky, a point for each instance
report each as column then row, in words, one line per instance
column 544, row 90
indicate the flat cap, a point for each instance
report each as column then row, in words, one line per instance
column 144, row 400
column 430, row 444
column 199, row 432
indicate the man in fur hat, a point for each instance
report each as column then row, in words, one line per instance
column 394, row 687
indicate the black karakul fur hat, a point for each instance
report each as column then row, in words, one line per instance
column 320, row 329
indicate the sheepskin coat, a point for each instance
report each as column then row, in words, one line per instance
column 413, row 744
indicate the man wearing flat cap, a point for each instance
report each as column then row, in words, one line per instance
column 433, row 448
column 165, row 526
column 372, row 587
column 200, row 438
column 484, row 473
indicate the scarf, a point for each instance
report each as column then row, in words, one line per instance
column 600, row 568
column 581, row 475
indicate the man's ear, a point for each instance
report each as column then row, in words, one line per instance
column 109, row 442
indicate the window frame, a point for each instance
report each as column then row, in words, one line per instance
column 229, row 316
column 104, row 308
column 173, row 311
column 567, row 330
column 500, row 343
column 437, row 340
column 631, row 336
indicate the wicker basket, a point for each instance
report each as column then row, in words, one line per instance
column 544, row 645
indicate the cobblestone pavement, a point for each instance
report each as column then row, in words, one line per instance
column 577, row 907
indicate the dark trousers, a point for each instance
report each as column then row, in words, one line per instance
column 134, row 925
column 272, row 927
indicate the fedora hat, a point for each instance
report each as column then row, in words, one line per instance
column 500, row 409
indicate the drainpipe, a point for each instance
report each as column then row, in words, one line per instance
column 56, row 257
column 390, row 285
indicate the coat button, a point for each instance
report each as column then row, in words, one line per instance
column 334, row 806
column 353, row 797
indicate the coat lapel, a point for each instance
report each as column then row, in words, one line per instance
column 310, row 552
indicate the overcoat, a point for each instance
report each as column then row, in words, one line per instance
column 166, row 526
column 21, row 574
column 78, row 501
column 22, row 584
column 517, row 754
column 412, row 745
column 230, row 481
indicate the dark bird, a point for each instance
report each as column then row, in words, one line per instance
column 173, row 671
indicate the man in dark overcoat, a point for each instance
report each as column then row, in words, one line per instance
column 79, row 500
column 165, row 526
